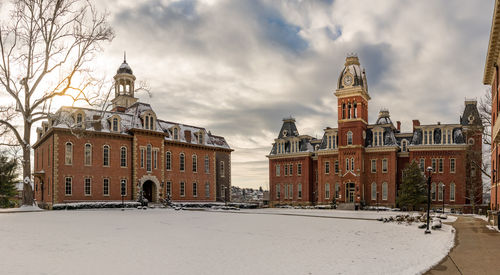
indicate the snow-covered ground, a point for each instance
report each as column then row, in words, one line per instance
column 165, row 241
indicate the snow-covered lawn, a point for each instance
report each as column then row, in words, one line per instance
column 165, row 241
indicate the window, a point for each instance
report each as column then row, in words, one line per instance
column 123, row 157
column 403, row 145
column 168, row 161
column 337, row 190
column 352, row 164
column 68, row 160
column 347, row 164
column 472, row 171
column 327, row 167
column 355, row 110
column 207, row 164
column 278, row 170
column 374, row 165
column 115, row 124
column 336, row 167
column 200, row 138
column 433, row 191
column 182, row 189
column 222, row 171
column 327, row 190
column 105, row 187
column 440, row 165
column 79, row 119
column 440, row 191
column 68, row 186
column 452, row 191
column 349, row 110
column 195, row 189
column 181, row 162
column 143, row 151
column 88, row 154
column 155, row 159
column 291, row 169
column 343, row 110
column 374, row 191
column 384, row 166
column 299, row 169
column 286, row 191
column 148, row 158
column 105, row 155
column 290, row 191
column 349, row 138
column 425, row 137
column 207, row 189
column 299, row 191
column 278, row 193
column 176, row 134
column 434, row 164
column 123, row 187
column 422, row 164
column 329, row 142
column 286, row 170
column 452, row 165
column 195, row 163
column 87, row 187
column 384, row 191
column 149, row 122
column 449, row 137
column 169, row 188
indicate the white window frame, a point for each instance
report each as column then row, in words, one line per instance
column 168, row 161
column 182, row 162
column 349, row 138
column 68, row 154
column 374, row 165
column 452, row 191
column 89, row 181
column 66, row 182
column 182, row 189
column 106, row 155
column 327, row 191
column 278, row 168
column 453, row 165
column 105, row 184
column 123, row 156
column 87, row 154
column 374, row 191
column 385, row 191
column 385, row 165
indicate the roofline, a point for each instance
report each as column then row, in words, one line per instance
column 493, row 45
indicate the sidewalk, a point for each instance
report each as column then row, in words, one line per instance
column 476, row 251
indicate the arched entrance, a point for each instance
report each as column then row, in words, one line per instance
column 149, row 190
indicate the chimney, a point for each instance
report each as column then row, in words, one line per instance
column 187, row 136
column 416, row 122
column 398, row 123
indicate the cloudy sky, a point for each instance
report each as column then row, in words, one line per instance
column 238, row 67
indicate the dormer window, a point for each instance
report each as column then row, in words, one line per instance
column 200, row 137
column 378, row 138
column 148, row 122
column 404, row 145
column 175, row 133
column 115, row 124
column 79, row 119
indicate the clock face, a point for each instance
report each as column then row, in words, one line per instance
column 347, row 80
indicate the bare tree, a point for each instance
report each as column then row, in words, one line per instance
column 46, row 47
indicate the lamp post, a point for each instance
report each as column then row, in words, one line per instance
column 429, row 170
column 123, row 206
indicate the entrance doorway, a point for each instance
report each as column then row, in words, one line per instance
column 148, row 189
column 350, row 192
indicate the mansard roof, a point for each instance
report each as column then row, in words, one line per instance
column 471, row 116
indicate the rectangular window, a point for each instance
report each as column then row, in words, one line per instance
column 290, row 191
column 195, row 189
column 123, row 157
column 105, row 155
column 105, row 187
column 182, row 189
column 452, row 165
column 384, row 191
column 299, row 191
column 195, row 164
column 88, row 154
column 142, row 157
column 169, row 188
column 327, row 167
column 168, row 161
column 278, row 170
column 352, row 164
column 207, row 189
column 337, row 170
column 384, row 166
column 207, row 165
column 291, row 169
column 155, row 159
column 286, row 170
column 452, row 192
column 337, row 190
column 299, row 169
column 374, row 165
column 87, row 187
column 68, row 186
column 181, row 161
column 374, row 191
column 347, row 165
column 327, row 190
column 123, row 187
column 422, row 164
column 222, row 171
column 278, row 193
column 440, row 192
column 440, row 165
column 434, row 165
column 286, row 191
column 68, row 160
column 148, row 158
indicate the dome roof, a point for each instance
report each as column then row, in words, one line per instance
column 124, row 68
column 383, row 117
column 353, row 68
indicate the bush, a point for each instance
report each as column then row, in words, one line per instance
column 93, row 205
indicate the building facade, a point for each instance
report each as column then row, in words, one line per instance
column 85, row 155
column 491, row 77
column 359, row 163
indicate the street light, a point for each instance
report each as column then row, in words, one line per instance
column 429, row 170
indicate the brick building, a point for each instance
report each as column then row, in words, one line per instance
column 361, row 163
column 86, row 155
column 491, row 77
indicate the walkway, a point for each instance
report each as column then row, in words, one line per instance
column 476, row 251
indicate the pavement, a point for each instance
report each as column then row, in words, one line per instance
column 476, row 250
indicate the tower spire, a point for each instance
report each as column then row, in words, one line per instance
column 124, row 57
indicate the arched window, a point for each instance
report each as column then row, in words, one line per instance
column 115, row 124
column 452, row 191
column 168, row 161
column 123, row 156
column 343, row 110
column 181, row 162
column 88, row 154
column 403, row 145
column 68, row 160
column 347, row 165
column 349, row 138
column 349, row 110
column 374, row 191
column 449, row 137
column 79, row 119
column 195, row 163
column 433, row 191
column 195, row 189
column 355, row 110
column 200, row 138
column 207, row 164
column 352, row 164
column 384, row 191
column 149, row 158
column 176, row 134
column 105, row 155
column 440, row 191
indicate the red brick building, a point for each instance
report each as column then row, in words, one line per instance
column 362, row 163
column 86, row 155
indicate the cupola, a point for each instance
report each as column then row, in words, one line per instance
column 124, row 86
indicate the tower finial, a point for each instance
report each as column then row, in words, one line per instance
column 124, row 57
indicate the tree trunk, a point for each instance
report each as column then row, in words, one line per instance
column 27, row 190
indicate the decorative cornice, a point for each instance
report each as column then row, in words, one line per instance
column 285, row 156
column 493, row 46
column 352, row 120
column 328, row 152
column 438, row 147
column 352, row 91
column 382, row 149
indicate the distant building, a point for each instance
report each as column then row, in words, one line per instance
column 84, row 155
column 361, row 164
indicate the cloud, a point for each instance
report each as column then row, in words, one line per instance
column 238, row 67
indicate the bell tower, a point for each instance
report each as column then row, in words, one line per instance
column 124, row 86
